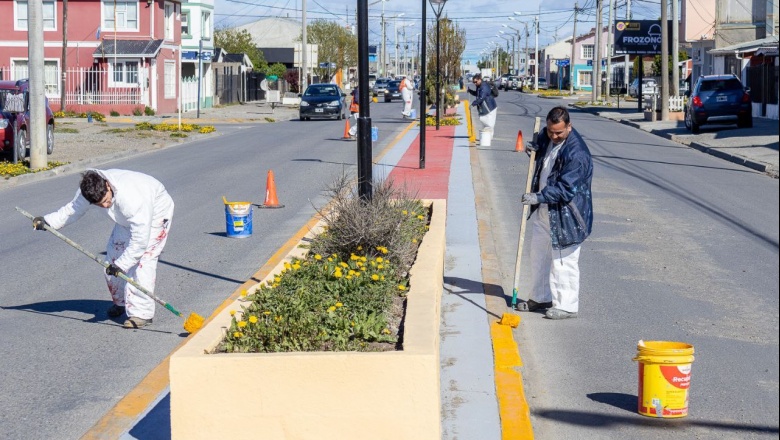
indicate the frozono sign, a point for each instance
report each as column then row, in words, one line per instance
column 640, row 37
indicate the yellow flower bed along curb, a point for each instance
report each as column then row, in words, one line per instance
column 175, row 127
column 8, row 169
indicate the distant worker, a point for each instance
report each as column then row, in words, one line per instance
column 485, row 102
column 407, row 88
column 561, row 214
column 354, row 112
column 142, row 211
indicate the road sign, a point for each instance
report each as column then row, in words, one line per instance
column 603, row 63
column 562, row 63
column 328, row 65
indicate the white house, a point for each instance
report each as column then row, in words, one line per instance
column 197, row 38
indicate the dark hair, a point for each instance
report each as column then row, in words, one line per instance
column 93, row 186
column 476, row 76
column 558, row 114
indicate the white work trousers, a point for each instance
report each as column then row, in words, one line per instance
column 555, row 274
column 353, row 128
column 406, row 94
column 489, row 120
column 144, row 273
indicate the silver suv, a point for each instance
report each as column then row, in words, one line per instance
column 380, row 86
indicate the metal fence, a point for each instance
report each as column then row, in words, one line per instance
column 86, row 85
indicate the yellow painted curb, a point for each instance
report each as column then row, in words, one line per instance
column 469, row 124
column 512, row 405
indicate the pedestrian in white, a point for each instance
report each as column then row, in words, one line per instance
column 562, row 215
column 486, row 105
column 142, row 212
column 407, row 92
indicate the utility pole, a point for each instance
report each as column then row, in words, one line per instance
column 609, row 48
column 36, row 91
column 395, row 30
column 675, row 51
column 384, row 47
column 573, row 49
column 596, row 72
column 664, row 61
column 304, row 48
column 626, row 57
column 64, row 63
column 527, row 61
column 536, row 53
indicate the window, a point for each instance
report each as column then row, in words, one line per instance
column 49, row 15
column 170, row 79
column 185, row 23
column 51, row 70
column 584, row 78
column 123, row 17
column 169, row 21
column 587, row 51
column 205, row 25
column 124, row 74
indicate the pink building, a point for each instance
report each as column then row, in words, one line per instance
column 122, row 55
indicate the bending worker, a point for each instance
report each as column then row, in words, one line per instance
column 142, row 211
column 561, row 214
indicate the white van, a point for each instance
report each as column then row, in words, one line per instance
column 371, row 80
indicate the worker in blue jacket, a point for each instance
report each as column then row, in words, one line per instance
column 561, row 215
column 485, row 102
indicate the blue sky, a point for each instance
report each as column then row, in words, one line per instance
column 481, row 20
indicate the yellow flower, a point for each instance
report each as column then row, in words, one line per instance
column 363, row 268
column 354, row 257
column 359, row 264
column 296, row 266
column 383, row 250
column 352, row 323
column 404, row 212
column 253, row 319
column 330, row 260
column 287, row 265
column 241, row 324
column 344, row 265
column 349, row 277
column 414, row 240
column 414, row 213
column 318, row 257
column 266, row 313
column 277, row 279
column 401, row 287
column 380, row 266
column 382, row 278
column 232, row 313
column 375, row 277
column 332, row 308
column 360, row 248
column 278, row 319
column 338, row 304
column 386, row 331
column 363, row 259
column 338, row 274
column 419, row 217
column 237, row 334
column 351, row 272
column 379, row 259
column 275, row 285
column 243, row 292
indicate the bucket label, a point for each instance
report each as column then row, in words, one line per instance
column 663, row 389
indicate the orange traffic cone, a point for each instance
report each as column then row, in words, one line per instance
column 519, row 144
column 270, row 193
column 346, row 129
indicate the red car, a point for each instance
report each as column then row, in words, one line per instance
column 22, row 122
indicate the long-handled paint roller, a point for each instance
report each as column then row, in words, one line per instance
column 523, row 219
column 191, row 324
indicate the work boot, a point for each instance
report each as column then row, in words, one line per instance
column 559, row 314
column 136, row 322
column 532, row 306
column 116, row 311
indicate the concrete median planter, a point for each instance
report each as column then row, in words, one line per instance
column 322, row 395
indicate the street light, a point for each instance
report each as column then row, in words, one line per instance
column 364, row 164
column 384, row 36
column 438, row 6
column 507, row 44
column 525, row 24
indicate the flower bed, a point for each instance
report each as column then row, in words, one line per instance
column 319, row 394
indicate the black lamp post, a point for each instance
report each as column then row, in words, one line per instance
column 438, row 6
column 364, row 117
column 423, row 101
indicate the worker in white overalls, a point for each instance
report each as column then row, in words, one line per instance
column 407, row 91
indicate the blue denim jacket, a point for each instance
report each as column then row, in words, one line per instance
column 483, row 94
column 568, row 193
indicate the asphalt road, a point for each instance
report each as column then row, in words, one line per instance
column 684, row 248
column 64, row 363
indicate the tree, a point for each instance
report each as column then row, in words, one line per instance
column 452, row 43
column 335, row 45
column 235, row 41
column 682, row 56
column 278, row 70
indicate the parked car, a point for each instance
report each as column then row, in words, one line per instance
column 718, row 99
column 393, row 91
column 649, row 87
column 322, row 101
column 371, row 80
column 542, row 84
column 513, row 83
column 22, row 120
column 379, row 86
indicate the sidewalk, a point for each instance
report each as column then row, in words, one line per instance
column 470, row 406
column 755, row 148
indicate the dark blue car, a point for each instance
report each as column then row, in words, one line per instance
column 322, row 101
column 718, row 99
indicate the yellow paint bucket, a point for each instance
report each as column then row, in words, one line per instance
column 664, row 378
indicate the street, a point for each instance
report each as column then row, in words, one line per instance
column 65, row 363
column 684, row 248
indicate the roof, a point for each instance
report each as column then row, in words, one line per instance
column 128, row 48
column 765, row 46
column 274, row 32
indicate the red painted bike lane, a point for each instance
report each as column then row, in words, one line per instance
column 431, row 182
